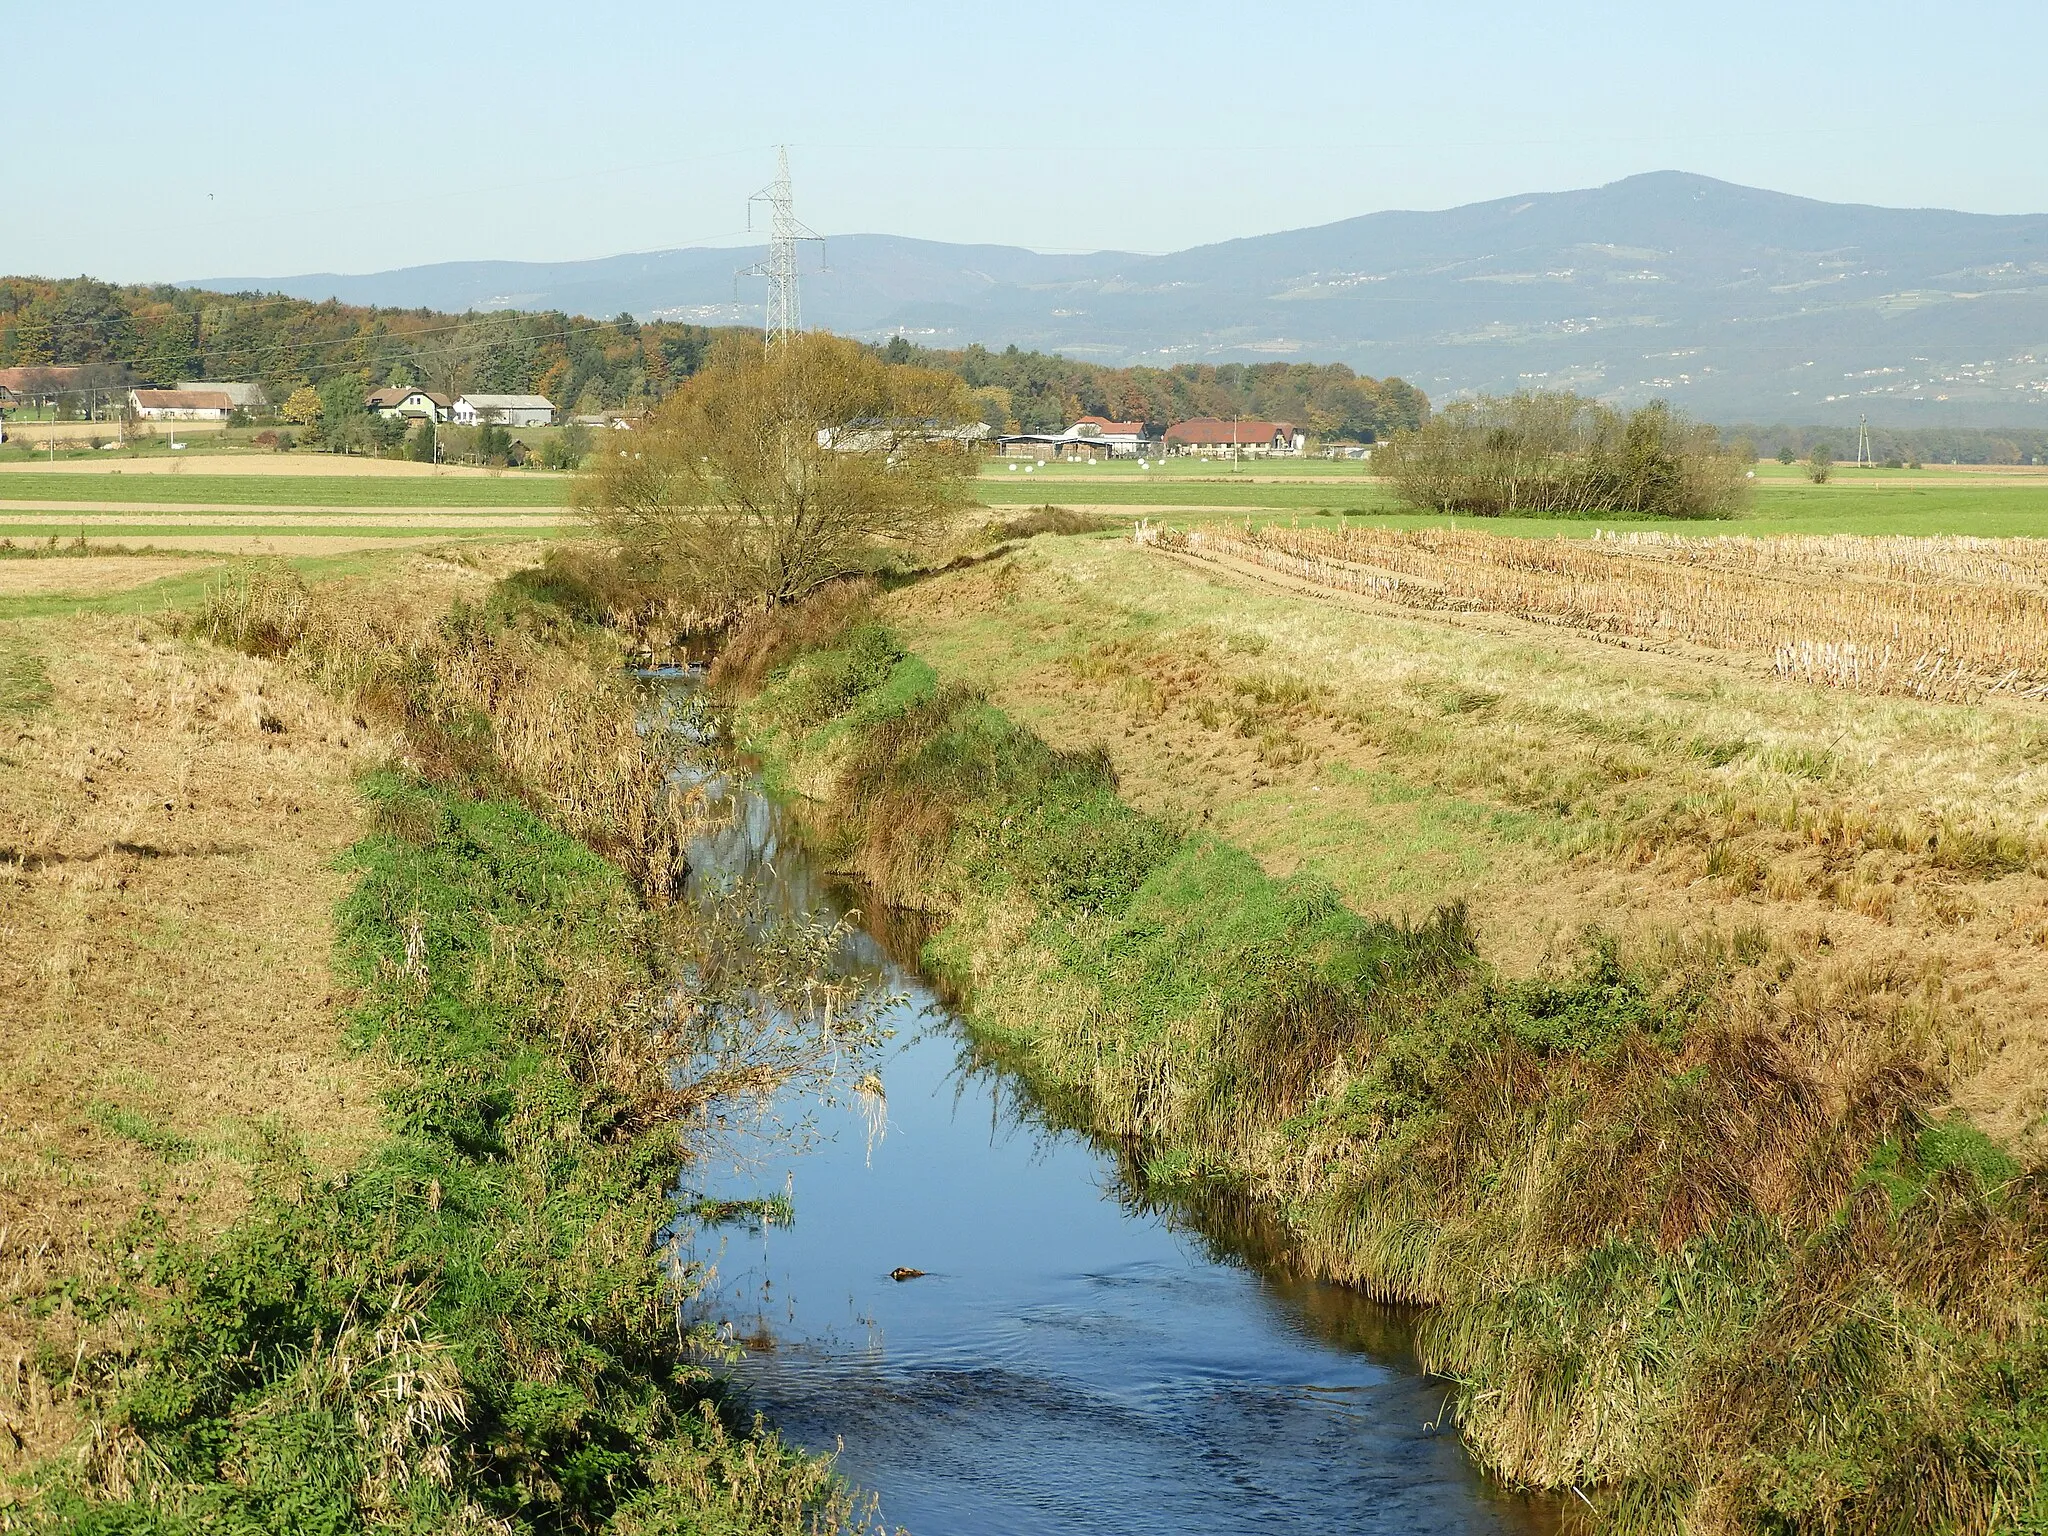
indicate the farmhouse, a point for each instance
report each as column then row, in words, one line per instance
column 1090, row 437
column 243, row 397
column 504, row 410
column 1207, row 437
column 180, row 404
column 405, row 402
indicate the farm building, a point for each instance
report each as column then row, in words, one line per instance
column 408, row 403
column 1207, row 437
column 873, row 434
column 180, row 404
column 504, row 410
column 1090, row 437
column 243, row 397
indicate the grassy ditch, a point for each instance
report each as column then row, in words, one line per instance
column 1695, row 1239
column 476, row 1327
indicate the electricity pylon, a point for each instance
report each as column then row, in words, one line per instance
column 785, row 311
column 1864, row 458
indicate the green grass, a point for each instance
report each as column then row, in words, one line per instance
column 24, row 679
column 515, row 488
column 1871, row 505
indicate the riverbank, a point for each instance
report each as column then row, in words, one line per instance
column 1459, row 978
column 463, row 1317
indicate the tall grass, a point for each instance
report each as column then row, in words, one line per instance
column 1695, row 1237
column 513, row 696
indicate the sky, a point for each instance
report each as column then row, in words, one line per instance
column 247, row 140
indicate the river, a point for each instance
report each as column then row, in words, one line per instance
column 1075, row 1358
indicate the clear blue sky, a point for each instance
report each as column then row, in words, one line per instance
column 242, row 139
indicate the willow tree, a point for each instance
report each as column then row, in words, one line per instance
column 1551, row 454
column 781, row 466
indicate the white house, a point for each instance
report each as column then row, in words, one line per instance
column 408, row 403
column 180, row 404
column 241, row 396
column 504, row 410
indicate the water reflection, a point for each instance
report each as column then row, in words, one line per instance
column 1079, row 1355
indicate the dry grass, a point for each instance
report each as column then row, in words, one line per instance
column 85, row 575
column 169, row 822
column 1945, row 618
column 1550, row 781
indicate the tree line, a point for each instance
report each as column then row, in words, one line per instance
column 154, row 334
column 1896, row 446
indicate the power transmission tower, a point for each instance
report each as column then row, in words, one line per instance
column 1863, row 455
column 785, row 311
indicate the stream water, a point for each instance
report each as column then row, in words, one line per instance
column 1075, row 1358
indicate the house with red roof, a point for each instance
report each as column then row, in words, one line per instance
column 1207, row 437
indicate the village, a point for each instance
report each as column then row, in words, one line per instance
column 81, row 396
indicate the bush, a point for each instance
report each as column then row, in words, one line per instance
column 1559, row 455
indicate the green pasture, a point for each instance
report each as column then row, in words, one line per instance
column 1781, row 505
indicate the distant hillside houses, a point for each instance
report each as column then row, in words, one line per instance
column 181, row 404
column 1206, row 437
column 504, row 411
column 1092, row 437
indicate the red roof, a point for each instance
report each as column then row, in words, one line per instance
column 1208, row 432
column 1119, row 428
column 38, row 376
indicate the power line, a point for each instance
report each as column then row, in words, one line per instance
column 785, row 310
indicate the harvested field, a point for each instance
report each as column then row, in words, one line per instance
column 86, row 575
column 1939, row 618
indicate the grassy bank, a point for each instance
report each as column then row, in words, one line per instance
column 1699, row 1233
column 474, row 1326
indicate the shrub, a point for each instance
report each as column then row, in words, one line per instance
column 1560, row 455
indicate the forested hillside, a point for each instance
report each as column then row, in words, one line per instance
column 157, row 334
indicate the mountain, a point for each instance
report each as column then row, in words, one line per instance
column 1730, row 301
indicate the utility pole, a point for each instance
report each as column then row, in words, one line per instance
column 785, row 312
